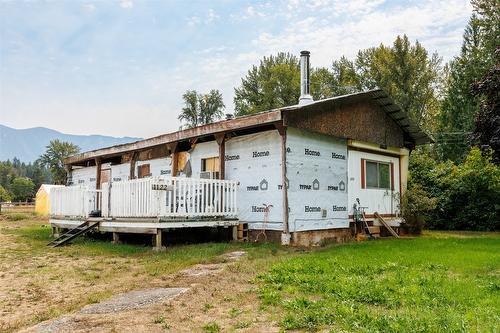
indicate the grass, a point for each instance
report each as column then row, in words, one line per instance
column 442, row 282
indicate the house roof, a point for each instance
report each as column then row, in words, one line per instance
column 261, row 119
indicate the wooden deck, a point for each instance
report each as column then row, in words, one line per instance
column 141, row 226
column 148, row 205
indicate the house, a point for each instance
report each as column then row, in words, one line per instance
column 293, row 172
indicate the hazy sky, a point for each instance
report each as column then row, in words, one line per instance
column 120, row 67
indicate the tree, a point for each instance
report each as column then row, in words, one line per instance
column 274, row 83
column 22, row 189
column 4, row 195
column 54, row 156
column 487, row 122
column 461, row 104
column 406, row 72
column 201, row 109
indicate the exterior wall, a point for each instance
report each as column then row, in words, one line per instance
column 376, row 200
column 158, row 166
column 363, row 120
column 202, row 150
column 317, row 175
column 321, row 237
column 255, row 161
column 120, row 172
column 84, row 176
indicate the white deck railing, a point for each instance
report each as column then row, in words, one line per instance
column 162, row 197
column 73, row 201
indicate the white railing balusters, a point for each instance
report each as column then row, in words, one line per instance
column 172, row 197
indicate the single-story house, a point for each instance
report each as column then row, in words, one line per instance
column 298, row 170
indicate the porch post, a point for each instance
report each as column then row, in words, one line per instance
column 133, row 159
column 221, row 141
column 173, row 147
column 98, row 173
column 285, row 237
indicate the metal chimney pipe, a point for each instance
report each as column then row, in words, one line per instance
column 305, row 96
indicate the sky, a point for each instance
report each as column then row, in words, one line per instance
column 120, row 67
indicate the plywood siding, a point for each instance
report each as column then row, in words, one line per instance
column 362, row 121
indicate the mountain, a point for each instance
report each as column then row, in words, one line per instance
column 28, row 144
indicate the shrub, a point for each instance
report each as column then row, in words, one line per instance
column 416, row 206
column 466, row 196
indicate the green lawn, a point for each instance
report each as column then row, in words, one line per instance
column 442, row 282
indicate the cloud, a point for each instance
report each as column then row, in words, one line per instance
column 210, row 17
column 89, row 7
column 126, row 4
column 330, row 39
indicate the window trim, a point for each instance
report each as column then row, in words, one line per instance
column 364, row 182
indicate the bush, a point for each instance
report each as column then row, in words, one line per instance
column 416, row 207
column 466, row 195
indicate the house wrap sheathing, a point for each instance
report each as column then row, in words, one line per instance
column 300, row 169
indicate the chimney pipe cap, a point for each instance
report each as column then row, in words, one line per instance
column 305, row 52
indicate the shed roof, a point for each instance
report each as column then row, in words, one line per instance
column 48, row 187
column 380, row 97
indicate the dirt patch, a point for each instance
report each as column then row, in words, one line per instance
column 38, row 284
column 123, row 302
column 203, row 269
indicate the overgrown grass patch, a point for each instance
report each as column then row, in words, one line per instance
column 429, row 284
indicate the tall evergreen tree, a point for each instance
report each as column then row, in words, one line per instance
column 461, row 105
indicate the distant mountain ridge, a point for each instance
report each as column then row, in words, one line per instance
column 28, row 144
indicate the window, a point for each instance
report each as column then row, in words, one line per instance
column 210, row 164
column 378, row 174
column 143, row 171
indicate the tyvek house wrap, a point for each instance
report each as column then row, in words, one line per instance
column 317, row 181
column 255, row 161
column 84, row 177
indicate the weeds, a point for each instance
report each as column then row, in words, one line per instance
column 211, row 327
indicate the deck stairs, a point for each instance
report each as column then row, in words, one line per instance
column 73, row 233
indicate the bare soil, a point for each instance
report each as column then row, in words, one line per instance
column 43, row 291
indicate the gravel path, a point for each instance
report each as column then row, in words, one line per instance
column 133, row 300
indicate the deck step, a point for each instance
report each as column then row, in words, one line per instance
column 374, row 230
column 73, row 233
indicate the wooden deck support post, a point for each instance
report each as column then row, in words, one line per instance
column 235, row 233
column 221, row 141
column 116, row 238
column 98, row 173
column 157, row 241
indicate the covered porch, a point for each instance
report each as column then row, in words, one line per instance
column 147, row 206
